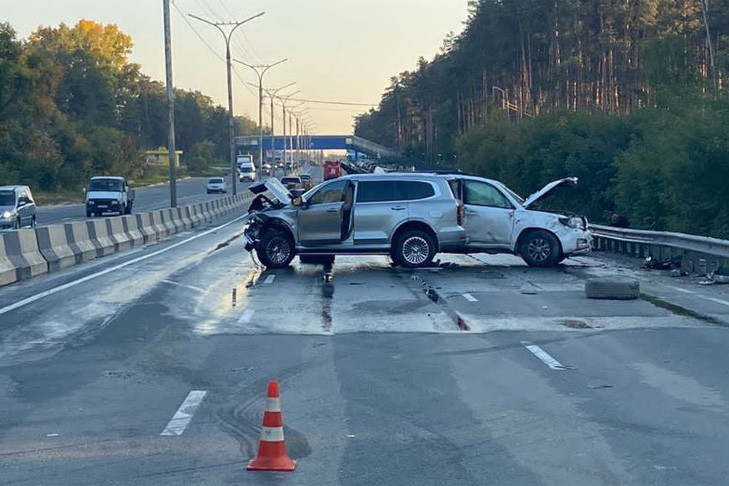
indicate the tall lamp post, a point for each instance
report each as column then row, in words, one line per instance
column 231, row 119
column 260, row 70
column 284, row 101
column 272, row 94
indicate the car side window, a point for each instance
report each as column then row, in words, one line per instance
column 330, row 193
column 376, row 191
column 483, row 194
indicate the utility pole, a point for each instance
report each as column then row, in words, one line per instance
column 231, row 118
column 285, row 100
column 171, row 159
column 272, row 94
column 260, row 70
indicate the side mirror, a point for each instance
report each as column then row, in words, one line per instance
column 297, row 202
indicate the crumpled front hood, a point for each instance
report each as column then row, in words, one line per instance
column 543, row 191
column 275, row 187
column 102, row 195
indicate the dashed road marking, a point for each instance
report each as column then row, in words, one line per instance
column 718, row 301
column 679, row 289
column 246, row 317
column 269, row 279
column 543, row 356
column 470, row 298
column 184, row 414
column 178, row 284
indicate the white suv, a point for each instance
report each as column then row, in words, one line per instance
column 497, row 220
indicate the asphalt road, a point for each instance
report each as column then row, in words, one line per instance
column 500, row 374
column 189, row 191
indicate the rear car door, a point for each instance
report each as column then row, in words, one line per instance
column 320, row 219
column 489, row 216
column 378, row 209
column 25, row 207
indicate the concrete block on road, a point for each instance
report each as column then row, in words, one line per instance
column 146, row 226
column 20, row 257
column 54, row 245
column 99, row 237
column 131, row 228
column 79, row 240
column 115, row 227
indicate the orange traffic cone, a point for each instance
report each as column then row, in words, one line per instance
column 272, row 446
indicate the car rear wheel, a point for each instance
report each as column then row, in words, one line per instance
column 275, row 249
column 414, row 249
column 540, row 249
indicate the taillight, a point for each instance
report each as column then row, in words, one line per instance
column 459, row 213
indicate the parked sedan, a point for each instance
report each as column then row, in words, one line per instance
column 497, row 220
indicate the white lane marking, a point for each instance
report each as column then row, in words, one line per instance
column 73, row 283
column 679, row 289
column 470, row 298
column 178, row 284
column 714, row 299
column 543, row 356
column 184, row 414
column 246, row 317
column 269, row 279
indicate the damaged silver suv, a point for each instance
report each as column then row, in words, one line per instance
column 408, row 216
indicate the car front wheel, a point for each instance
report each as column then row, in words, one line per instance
column 540, row 249
column 275, row 249
column 414, row 249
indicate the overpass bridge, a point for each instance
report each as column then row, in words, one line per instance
column 317, row 142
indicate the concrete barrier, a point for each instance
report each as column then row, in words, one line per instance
column 27, row 253
column 131, row 228
column 146, row 227
column 79, row 240
column 21, row 256
column 115, row 227
column 99, row 237
column 54, row 245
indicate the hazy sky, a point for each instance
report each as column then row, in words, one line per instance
column 338, row 49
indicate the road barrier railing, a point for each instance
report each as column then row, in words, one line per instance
column 26, row 253
column 696, row 254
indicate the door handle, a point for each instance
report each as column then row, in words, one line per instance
column 332, row 210
column 398, row 208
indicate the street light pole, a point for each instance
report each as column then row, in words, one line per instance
column 171, row 159
column 260, row 70
column 272, row 95
column 231, row 118
column 285, row 100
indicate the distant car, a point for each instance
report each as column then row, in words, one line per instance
column 247, row 172
column 108, row 194
column 17, row 207
column 291, row 182
column 216, row 185
column 306, row 182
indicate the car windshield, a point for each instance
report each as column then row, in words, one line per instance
column 246, row 169
column 7, row 198
column 215, row 181
column 109, row 185
column 290, row 180
column 512, row 193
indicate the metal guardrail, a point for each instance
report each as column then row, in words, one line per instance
column 697, row 253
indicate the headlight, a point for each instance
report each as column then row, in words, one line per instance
column 7, row 215
column 573, row 222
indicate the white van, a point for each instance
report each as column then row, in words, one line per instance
column 246, row 172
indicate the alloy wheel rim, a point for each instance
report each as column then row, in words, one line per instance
column 415, row 250
column 278, row 249
column 539, row 249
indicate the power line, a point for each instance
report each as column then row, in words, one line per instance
column 327, row 102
